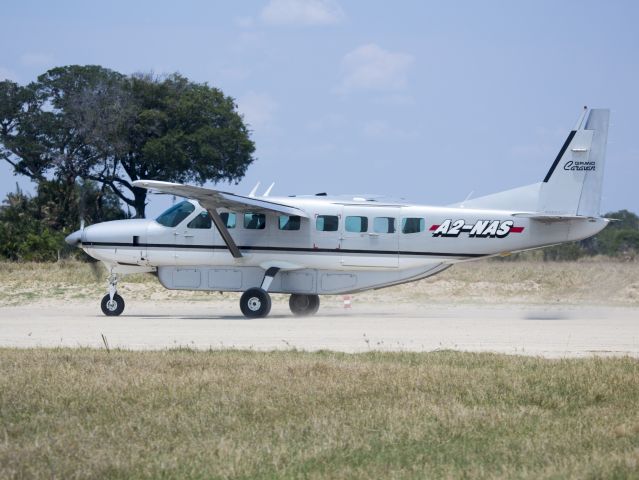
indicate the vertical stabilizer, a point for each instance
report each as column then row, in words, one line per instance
column 572, row 186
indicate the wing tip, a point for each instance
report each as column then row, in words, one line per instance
column 153, row 183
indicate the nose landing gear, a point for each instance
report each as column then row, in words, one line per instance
column 112, row 304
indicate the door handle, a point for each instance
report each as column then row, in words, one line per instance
column 371, row 234
column 187, row 235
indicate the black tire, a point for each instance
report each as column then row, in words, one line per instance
column 112, row 309
column 255, row 303
column 303, row 305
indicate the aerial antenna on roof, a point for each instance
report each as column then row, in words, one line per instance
column 268, row 190
column 252, row 194
column 470, row 194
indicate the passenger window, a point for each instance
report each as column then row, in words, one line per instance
column 413, row 225
column 326, row 223
column 356, row 224
column 384, row 225
column 289, row 222
column 254, row 221
column 203, row 220
column 174, row 215
column 229, row 219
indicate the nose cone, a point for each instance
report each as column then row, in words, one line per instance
column 74, row 238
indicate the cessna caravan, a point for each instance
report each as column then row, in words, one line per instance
column 308, row 246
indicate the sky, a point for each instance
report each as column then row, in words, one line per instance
column 426, row 101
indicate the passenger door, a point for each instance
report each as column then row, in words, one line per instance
column 370, row 237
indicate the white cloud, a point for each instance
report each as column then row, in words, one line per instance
column 257, row 108
column 302, row 12
column 36, row 59
column 370, row 67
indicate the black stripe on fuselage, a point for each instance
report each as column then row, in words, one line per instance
column 283, row 249
column 559, row 155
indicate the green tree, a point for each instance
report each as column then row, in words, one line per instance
column 182, row 132
column 93, row 123
column 621, row 237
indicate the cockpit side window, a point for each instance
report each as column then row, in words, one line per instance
column 176, row 214
column 203, row 220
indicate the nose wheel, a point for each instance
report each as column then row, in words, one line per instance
column 112, row 307
column 112, row 304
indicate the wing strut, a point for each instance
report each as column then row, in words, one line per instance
column 226, row 236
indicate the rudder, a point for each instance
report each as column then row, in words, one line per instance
column 573, row 184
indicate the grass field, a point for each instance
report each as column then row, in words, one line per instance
column 595, row 282
column 230, row 414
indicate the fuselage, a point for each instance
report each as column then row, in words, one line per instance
column 337, row 235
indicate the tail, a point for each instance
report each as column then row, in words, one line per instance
column 572, row 186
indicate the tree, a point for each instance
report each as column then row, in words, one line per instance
column 33, row 228
column 93, row 123
column 62, row 125
column 182, row 132
column 620, row 237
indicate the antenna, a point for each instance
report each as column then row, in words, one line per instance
column 268, row 190
column 470, row 194
column 252, row 194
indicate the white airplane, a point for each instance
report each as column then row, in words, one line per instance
column 307, row 246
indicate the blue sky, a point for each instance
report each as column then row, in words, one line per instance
column 420, row 100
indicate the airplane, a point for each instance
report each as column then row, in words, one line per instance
column 313, row 245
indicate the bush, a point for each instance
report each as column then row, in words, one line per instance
column 33, row 228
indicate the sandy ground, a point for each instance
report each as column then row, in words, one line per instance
column 549, row 331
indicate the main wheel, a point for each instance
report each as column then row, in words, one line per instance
column 255, row 303
column 112, row 308
column 303, row 305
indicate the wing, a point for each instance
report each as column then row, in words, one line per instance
column 214, row 199
column 211, row 200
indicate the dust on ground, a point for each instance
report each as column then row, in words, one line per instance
column 487, row 282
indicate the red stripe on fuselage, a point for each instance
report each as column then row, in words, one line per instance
column 516, row 229
column 433, row 228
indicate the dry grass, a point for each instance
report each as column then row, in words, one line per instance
column 229, row 414
column 602, row 282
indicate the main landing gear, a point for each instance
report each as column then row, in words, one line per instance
column 256, row 302
column 112, row 303
column 304, row 305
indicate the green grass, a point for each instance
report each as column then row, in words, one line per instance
column 231, row 414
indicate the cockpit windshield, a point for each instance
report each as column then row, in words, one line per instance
column 174, row 215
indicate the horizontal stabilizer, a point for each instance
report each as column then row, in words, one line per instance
column 214, row 199
column 542, row 217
